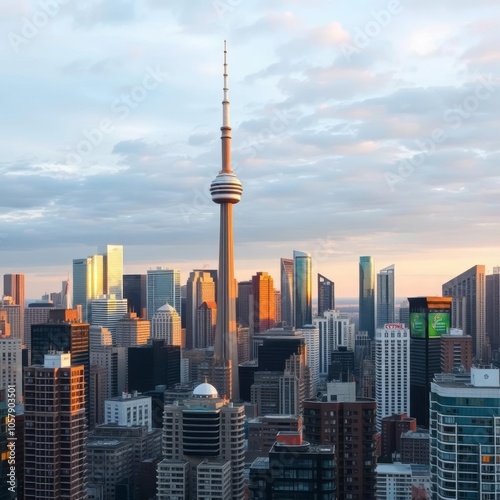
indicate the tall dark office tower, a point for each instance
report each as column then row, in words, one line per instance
column 226, row 190
column 326, row 294
column 55, row 430
column 367, row 296
column 153, row 364
column 134, row 290
column 63, row 334
column 264, row 306
column 200, row 288
column 13, row 286
column 342, row 365
column 286, row 274
column 302, row 286
column 429, row 319
column 468, row 309
column 385, row 296
column 493, row 308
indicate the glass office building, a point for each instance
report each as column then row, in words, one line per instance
column 302, row 283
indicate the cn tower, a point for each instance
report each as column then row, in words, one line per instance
column 226, row 190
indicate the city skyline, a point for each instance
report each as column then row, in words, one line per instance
column 333, row 101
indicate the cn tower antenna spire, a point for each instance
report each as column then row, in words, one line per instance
column 226, row 127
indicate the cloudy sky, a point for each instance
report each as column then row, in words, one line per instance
column 359, row 128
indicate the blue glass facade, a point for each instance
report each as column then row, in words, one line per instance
column 302, row 282
column 367, row 296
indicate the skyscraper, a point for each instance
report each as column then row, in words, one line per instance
column 429, row 319
column 13, row 286
column 202, row 427
column 243, row 303
column 132, row 331
column 113, row 270
column 468, row 310
column 11, row 366
column 392, row 371
column 385, row 296
column 465, row 429
column 334, row 330
column 493, row 308
column 340, row 419
column 62, row 333
column 264, row 306
column 367, row 296
column 55, row 431
column 166, row 325
column 15, row 317
column 326, row 294
column 206, row 319
column 302, row 285
column 88, row 282
column 134, row 290
column 226, row 190
column 96, row 276
column 286, row 274
column 107, row 312
column 163, row 287
column 200, row 288
column 35, row 313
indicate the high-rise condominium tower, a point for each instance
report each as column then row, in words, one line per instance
column 286, row 273
column 56, row 428
column 468, row 310
column 302, row 284
column 326, row 294
column 465, row 429
column 367, row 296
column 63, row 333
column 392, row 371
column 226, row 190
column 385, row 296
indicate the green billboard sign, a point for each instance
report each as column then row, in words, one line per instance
column 439, row 324
column 417, row 325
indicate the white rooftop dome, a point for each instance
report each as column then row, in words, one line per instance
column 167, row 307
column 205, row 390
